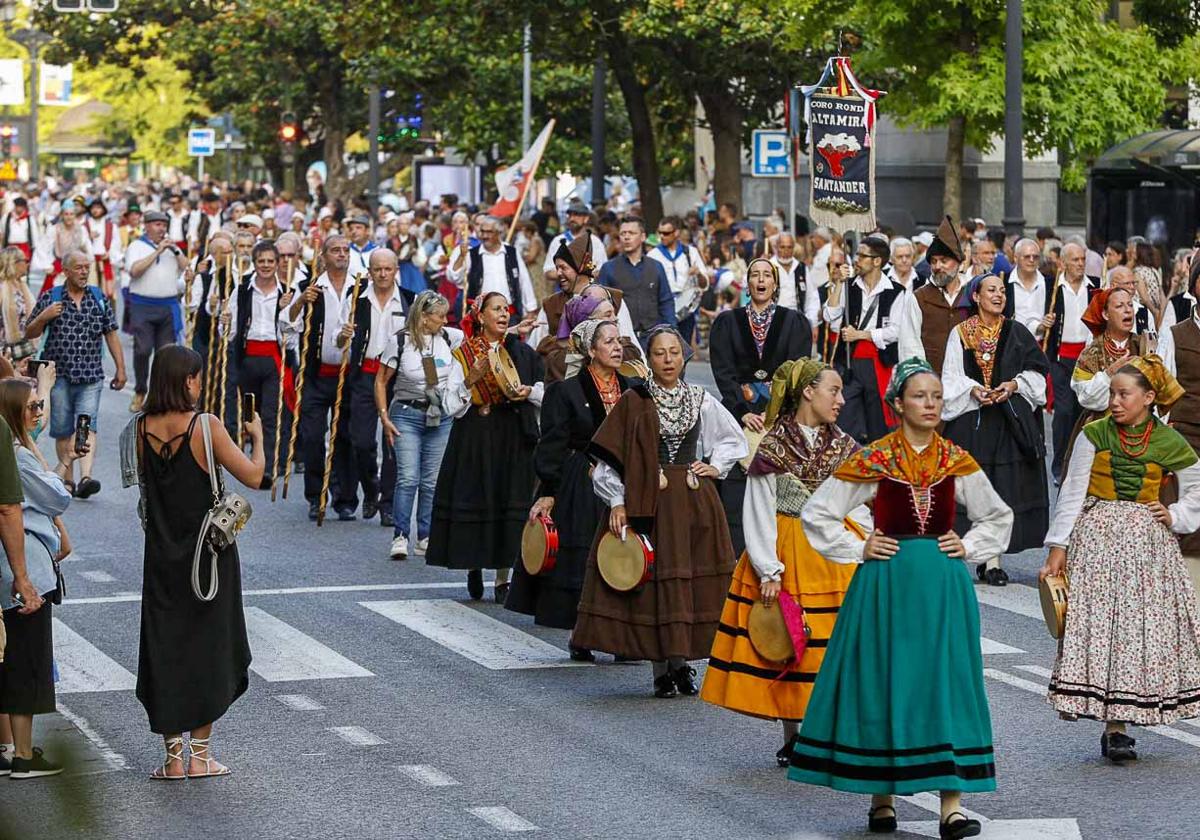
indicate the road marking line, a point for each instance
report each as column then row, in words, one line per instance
column 97, row 576
column 475, row 635
column 1036, row 670
column 991, row 646
column 299, row 702
column 932, row 803
column 357, row 736
column 427, row 775
column 84, row 667
column 1054, row 829
column 133, row 597
column 1015, row 598
column 1175, row 734
column 502, row 819
column 113, row 758
column 1016, row 682
column 283, row 654
column 1195, row 724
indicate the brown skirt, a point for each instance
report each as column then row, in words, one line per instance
column 675, row 613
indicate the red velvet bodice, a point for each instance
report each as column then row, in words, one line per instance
column 896, row 508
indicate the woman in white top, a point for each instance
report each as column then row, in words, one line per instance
column 416, row 423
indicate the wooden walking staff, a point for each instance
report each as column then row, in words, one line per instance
column 210, row 370
column 1053, row 303
column 287, row 287
column 305, row 336
column 337, row 405
column 224, row 360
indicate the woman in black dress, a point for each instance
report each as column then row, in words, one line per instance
column 194, row 656
column 572, row 411
column 746, row 345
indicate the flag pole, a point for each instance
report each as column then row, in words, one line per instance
column 512, row 228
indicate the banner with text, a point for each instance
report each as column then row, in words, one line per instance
column 55, row 84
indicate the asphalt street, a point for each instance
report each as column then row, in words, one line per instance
column 385, row 704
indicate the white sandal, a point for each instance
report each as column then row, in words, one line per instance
column 174, row 749
column 200, row 745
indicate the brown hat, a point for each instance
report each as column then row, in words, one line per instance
column 946, row 242
column 578, row 253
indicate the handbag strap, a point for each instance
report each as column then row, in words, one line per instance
column 215, row 479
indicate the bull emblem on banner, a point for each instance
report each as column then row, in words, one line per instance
column 836, row 149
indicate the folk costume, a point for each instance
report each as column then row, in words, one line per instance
column 571, row 413
column 1131, row 647
column 643, row 451
column 559, row 358
column 1090, row 380
column 900, row 705
column 930, row 314
column 791, row 462
column 746, row 346
column 1069, row 337
column 1179, row 347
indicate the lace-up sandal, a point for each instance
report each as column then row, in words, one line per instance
column 211, row 766
column 174, row 749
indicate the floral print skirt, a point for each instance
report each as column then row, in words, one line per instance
column 1131, row 647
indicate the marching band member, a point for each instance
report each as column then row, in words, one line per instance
column 746, row 346
column 368, row 324
column 1110, row 317
column 485, row 485
column 571, row 413
column 802, row 447
column 658, row 453
column 1130, row 651
column 179, row 217
column 324, row 295
column 994, row 382
column 931, row 312
column 900, row 705
column 211, row 268
column 105, row 248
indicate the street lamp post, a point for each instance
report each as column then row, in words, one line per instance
column 1014, row 152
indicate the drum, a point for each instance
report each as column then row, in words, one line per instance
column 768, row 633
column 754, row 439
column 624, row 564
column 634, row 369
column 1053, row 592
column 505, row 372
column 539, row 545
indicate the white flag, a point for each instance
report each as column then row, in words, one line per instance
column 512, row 181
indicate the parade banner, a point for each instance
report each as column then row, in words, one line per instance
column 841, row 129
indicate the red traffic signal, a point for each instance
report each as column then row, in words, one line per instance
column 289, row 128
column 8, row 131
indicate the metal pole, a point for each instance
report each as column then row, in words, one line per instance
column 200, row 169
column 598, row 132
column 793, row 168
column 34, row 48
column 373, row 143
column 228, row 119
column 1014, row 168
column 526, row 90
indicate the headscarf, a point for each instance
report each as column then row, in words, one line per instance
column 790, row 379
column 965, row 296
column 1093, row 316
column 577, row 310
column 667, row 328
column 584, row 336
column 1167, row 389
column 901, row 373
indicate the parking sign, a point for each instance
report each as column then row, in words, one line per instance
column 201, row 142
column 770, row 157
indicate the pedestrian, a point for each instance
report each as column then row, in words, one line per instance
column 902, row 677
column 194, row 656
column 994, row 382
column 104, row 244
column 27, row 672
column 658, row 455
column 1130, row 651
column 16, row 303
column 158, row 270
column 571, row 413
column 641, row 281
column 486, row 479
column 802, row 447
column 493, row 266
column 67, row 236
column 20, row 228
column 79, row 322
column 685, row 271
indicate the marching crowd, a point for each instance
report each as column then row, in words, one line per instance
column 513, row 396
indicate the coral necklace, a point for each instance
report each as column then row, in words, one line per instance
column 610, row 392
column 1134, row 444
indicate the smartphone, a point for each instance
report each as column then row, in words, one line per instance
column 83, row 426
column 34, row 364
column 247, row 407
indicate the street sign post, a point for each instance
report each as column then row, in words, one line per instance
column 771, row 157
column 201, row 143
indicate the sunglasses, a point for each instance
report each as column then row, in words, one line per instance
column 666, row 233
column 37, row 406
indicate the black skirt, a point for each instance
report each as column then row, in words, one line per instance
column 553, row 598
column 27, row 674
column 484, row 491
column 732, row 490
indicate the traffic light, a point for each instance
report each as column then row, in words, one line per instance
column 7, row 134
column 289, row 129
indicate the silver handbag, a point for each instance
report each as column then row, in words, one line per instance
column 221, row 526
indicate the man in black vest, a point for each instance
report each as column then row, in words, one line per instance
column 493, row 266
column 211, row 268
column 641, row 281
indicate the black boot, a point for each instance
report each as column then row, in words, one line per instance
column 1117, row 747
column 475, row 584
column 683, row 680
column 664, row 686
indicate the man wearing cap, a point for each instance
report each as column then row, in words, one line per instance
column 105, row 247
column 358, row 229
column 932, row 312
column 20, row 228
column 251, row 222
column 578, row 215
column 921, row 243
column 158, row 271
column 178, row 221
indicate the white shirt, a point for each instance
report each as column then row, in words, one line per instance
column 331, row 354
column 263, row 306
column 811, row 304
column 495, row 276
column 906, row 282
column 1074, row 331
column 214, row 225
column 360, row 258
column 599, row 254
column 162, row 279
column 678, row 267
column 20, row 231
column 386, row 320
column 888, row 329
column 409, row 367
column 97, row 232
column 1169, row 319
column 912, row 321
column 1029, row 305
column 175, row 225
column 956, row 385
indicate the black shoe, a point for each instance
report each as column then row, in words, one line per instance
column 992, row 577
column 385, row 518
column 784, row 757
column 345, row 514
column 582, row 655
column 5, row 766
column 625, row 659
column 664, row 686
column 952, row 829
column 683, row 680
column 881, row 824
column 370, row 508
column 475, row 584
column 87, row 486
column 501, row 592
column 32, row 768
column 1117, row 747
column 312, row 511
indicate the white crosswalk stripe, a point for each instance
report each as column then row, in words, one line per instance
column 282, row 653
column 502, row 819
column 83, row 667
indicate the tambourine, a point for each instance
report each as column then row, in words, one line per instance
column 753, row 438
column 1053, row 593
column 769, row 634
column 625, row 564
column 539, row 545
column 505, row 372
column 634, row 369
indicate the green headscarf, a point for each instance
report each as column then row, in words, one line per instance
column 790, row 379
column 909, row 367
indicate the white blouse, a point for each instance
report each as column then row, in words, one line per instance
column 956, row 385
column 1092, row 393
column 991, row 519
column 722, row 443
column 458, row 396
column 1185, row 514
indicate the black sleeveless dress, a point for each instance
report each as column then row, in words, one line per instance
column 194, row 657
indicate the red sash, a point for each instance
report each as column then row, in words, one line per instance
column 328, row 370
column 270, row 349
column 866, row 349
column 371, row 366
column 48, row 283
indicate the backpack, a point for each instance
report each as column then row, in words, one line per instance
column 57, row 292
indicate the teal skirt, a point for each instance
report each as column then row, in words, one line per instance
column 899, row 705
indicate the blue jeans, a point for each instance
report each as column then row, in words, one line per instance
column 419, row 450
column 68, row 401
